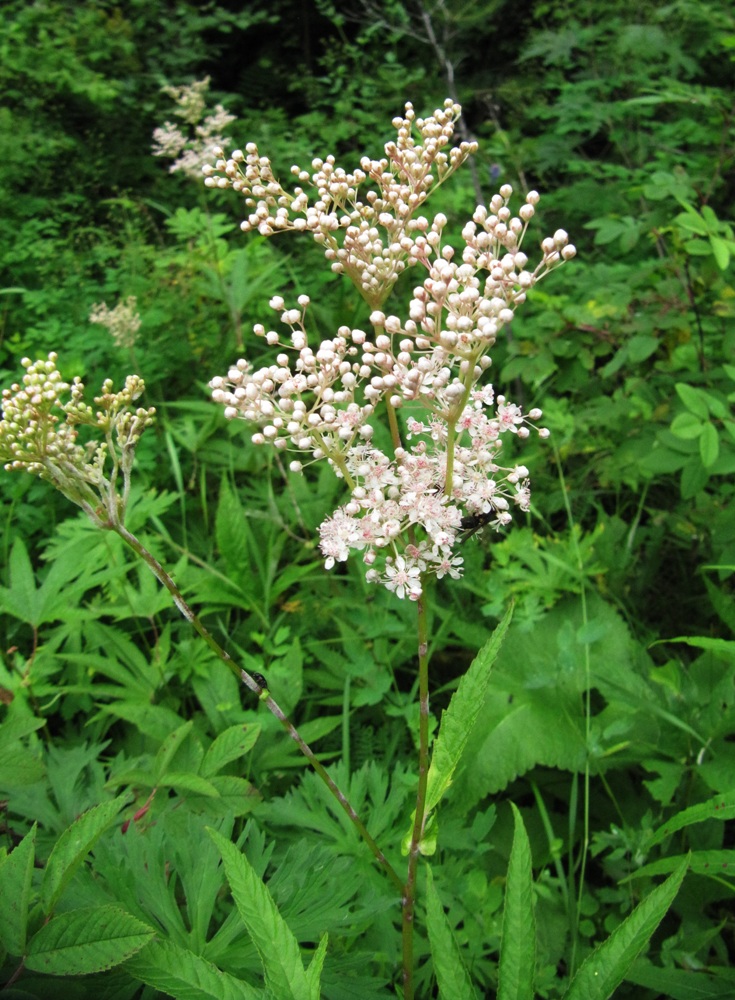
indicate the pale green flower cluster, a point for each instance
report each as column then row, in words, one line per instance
column 39, row 433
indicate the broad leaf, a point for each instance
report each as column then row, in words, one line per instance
column 91, row 939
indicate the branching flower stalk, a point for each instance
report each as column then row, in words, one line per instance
column 424, row 373
column 39, row 433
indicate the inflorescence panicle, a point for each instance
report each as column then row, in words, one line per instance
column 409, row 509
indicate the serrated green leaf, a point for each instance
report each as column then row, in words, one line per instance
column 721, row 807
column 458, row 719
column 451, row 973
column 14, row 729
column 16, row 873
column 230, row 527
column 73, row 846
column 722, row 647
column 314, row 971
column 91, row 939
column 518, row 944
column 155, row 721
column 604, row 970
column 19, row 767
column 275, row 943
column 190, row 783
column 681, row 984
column 717, row 864
column 167, row 750
column 236, row 797
column 20, row 599
column 228, row 746
column 181, row 974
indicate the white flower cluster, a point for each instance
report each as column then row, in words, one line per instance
column 191, row 150
column 122, row 322
column 407, row 511
column 377, row 227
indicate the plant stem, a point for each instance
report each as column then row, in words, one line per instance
column 163, row 577
column 409, row 895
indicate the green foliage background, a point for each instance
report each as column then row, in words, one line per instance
column 611, row 708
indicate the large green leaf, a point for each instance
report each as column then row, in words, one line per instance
column 533, row 711
column 276, row 945
column 91, row 939
column 518, row 946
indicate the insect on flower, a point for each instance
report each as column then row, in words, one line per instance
column 472, row 523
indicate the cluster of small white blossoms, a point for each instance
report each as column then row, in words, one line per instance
column 407, row 511
column 39, row 434
column 378, row 229
column 122, row 322
column 191, row 152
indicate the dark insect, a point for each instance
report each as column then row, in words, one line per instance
column 474, row 522
column 260, row 680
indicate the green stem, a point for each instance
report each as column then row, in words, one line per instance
column 163, row 577
column 409, row 895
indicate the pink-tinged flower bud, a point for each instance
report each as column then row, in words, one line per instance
column 569, row 251
column 561, row 237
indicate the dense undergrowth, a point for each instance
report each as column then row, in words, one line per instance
column 608, row 720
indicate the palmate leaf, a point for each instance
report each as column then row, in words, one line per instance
column 604, row 970
column 182, row 974
column 276, row 945
column 518, row 948
column 91, row 939
column 451, row 974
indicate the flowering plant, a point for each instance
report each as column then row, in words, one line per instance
column 408, row 508
column 418, row 482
